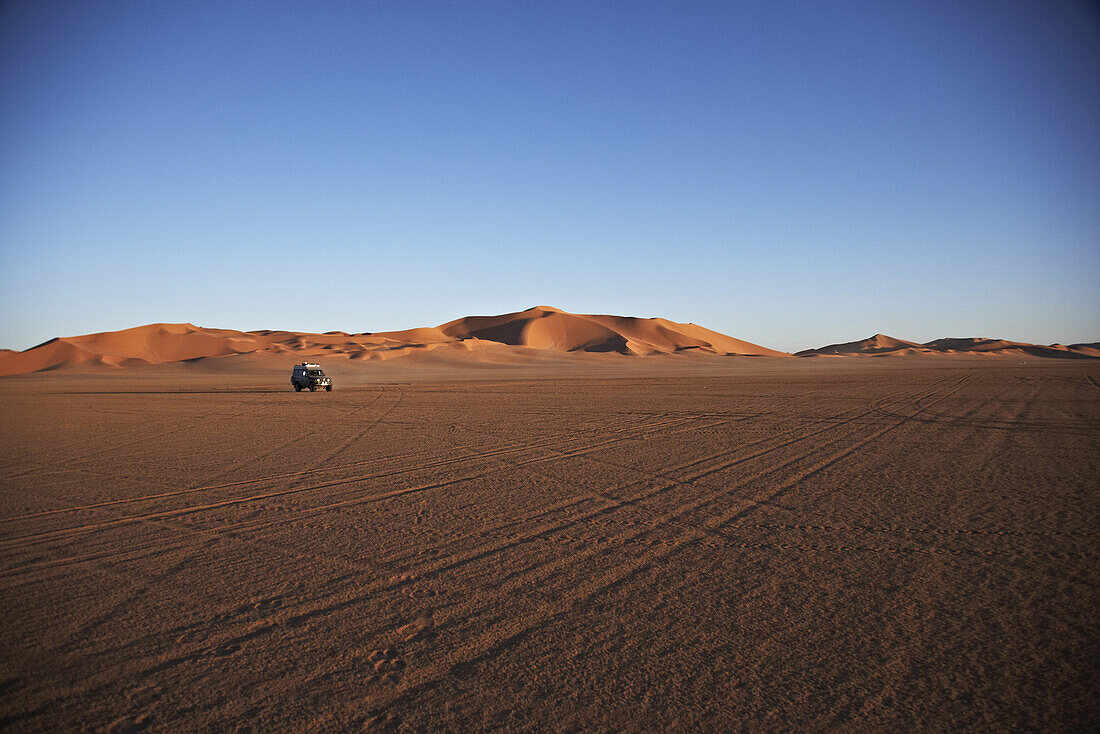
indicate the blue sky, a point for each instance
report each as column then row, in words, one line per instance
column 791, row 173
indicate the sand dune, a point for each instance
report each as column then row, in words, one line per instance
column 544, row 327
column 880, row 345
column 537, row 335
column 877, row 344
column 507, row 338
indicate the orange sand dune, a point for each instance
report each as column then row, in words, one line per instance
column 504, row 339
column 538, row 334
column 544, row 327
column 877, row 344
column 880, row 345
column 1091, row 349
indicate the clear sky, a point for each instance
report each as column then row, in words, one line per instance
column 790, row 173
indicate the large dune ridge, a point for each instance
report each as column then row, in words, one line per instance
column 534, row 334
column 882, row 345
column 541, row 334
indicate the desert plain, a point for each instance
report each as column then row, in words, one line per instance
column 761, row 543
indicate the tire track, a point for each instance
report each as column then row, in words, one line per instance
column 304, row 616
column 1023, row 407
column 829, row 424
column 931, row 416
column 129, row 444
column 186, row 510
column 344, row 446
column 258, row 480
column 882, row 529
column 24, row 540
column 717, row 542
column 221, row 532
column 290, row 441
column 800, row 430
column 504, row 632
column 889, row 529
column 508, row 629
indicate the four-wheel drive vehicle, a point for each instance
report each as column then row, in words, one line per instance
column 309, row 375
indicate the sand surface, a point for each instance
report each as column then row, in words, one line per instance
column 889, row 544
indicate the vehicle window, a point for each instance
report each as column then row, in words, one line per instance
column 316, row 373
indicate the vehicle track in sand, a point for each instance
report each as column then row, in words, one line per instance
column 15, row 541
column 931, row 416
column 179, row 425
column 511, row 629
column 669, row 482
column 335, row 607
column 272, row 523
column 318, row 469
column 129, row 573
column 987, row 532
column 302, row 616
column 508, row 628
column 439, row 568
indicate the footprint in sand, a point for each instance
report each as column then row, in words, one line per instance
column 385, row 665
column 420, row 628
column 410, row 587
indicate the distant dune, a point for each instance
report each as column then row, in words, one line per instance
column 882, row 345
column 507, row 338
column 539, row 334
column 544, row 327
column 877, row 344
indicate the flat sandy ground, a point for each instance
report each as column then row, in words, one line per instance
column 796, row 544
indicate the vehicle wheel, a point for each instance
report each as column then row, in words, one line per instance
column 312, row 388
column 297, row 388
column 328, row 388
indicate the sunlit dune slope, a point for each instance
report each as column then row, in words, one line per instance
column 543, row 327
column 877, row 344
column 535, row 334
column 882, row 345
column 540, row 334
column 151, row 344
